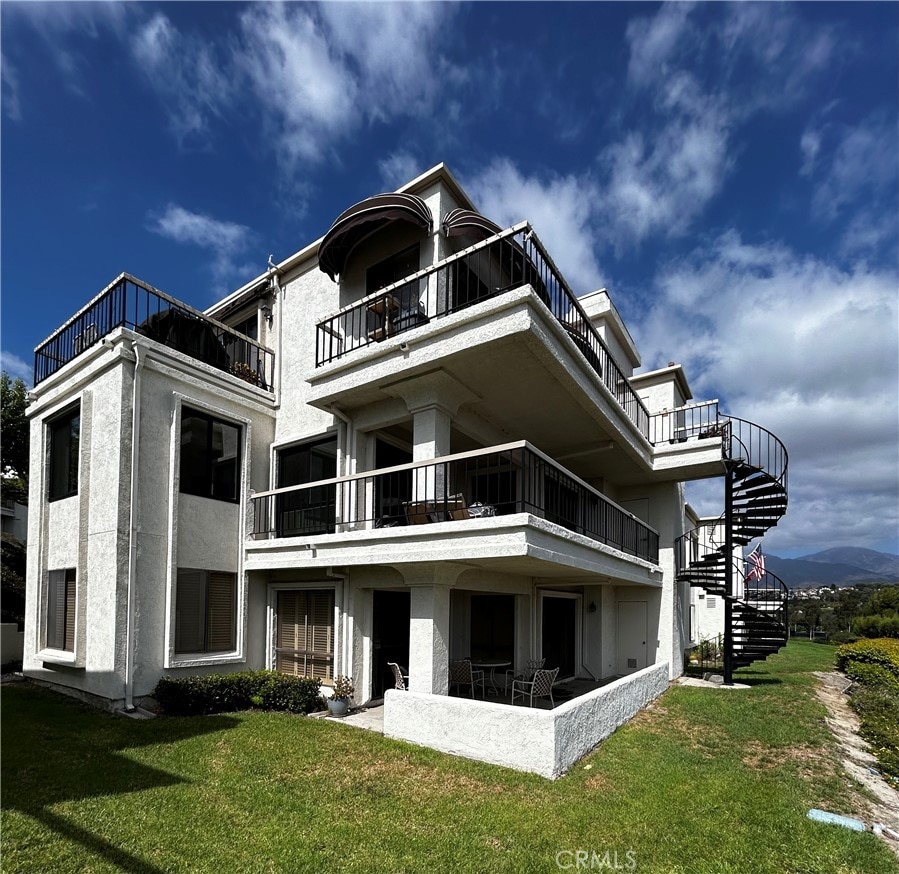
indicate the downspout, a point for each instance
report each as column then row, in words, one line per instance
column 279, row 358
column 345, row 624
column 348, row 442
column 132, row 533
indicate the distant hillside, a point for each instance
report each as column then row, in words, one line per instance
column 869, row 559
column 840, row 566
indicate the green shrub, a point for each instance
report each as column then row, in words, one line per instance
column 295, row 694
column 881, row 653
column 220, row 693
column 843, row 637
column 878, row 626
column 878, row 709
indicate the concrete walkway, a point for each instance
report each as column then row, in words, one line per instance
column 369, row 718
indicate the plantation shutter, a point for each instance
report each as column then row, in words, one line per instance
column 69, row 636
column 220, row 611
column 287, row 642
column 189, row 611
column 61, row 593
column 305, row 633
column 321, row 632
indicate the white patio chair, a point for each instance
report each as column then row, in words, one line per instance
column 400, row 675
column 527, row 674
column 540, row 687
column 461, row 673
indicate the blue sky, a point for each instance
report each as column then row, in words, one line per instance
column 728, row 171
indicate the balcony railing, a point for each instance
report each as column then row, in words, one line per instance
column 129, row 303
column 498, row 481
column 504, row 262
column 685, row 423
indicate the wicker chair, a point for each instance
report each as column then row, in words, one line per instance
column 400, row 675
column 526, row 674
column 540, row 686
column 461, row 673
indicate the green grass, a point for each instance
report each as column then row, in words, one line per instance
column 704, row 781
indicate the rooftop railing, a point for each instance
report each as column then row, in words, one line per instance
column 496, row 481
column 130, row 303
column 509, row 260
column 684, row 423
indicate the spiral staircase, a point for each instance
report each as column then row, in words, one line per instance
column 709, row 557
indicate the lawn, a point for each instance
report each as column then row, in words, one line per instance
column 704, row 781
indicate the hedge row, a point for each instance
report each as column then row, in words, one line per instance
column 874, row 665
column 874, row 662
column 219, row 693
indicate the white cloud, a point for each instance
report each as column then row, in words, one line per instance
column 859, row 165
column 16, row 367
column 398, row 168
column 311, row 75
column 558, row 207
column 12, row 104
column 655, row 41
column 226, row 240
column 807, row 350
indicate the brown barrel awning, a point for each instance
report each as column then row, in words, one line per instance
column 363, row 219
column 467, row 223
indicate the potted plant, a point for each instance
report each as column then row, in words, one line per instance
column 341, row 692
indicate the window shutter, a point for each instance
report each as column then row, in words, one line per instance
column 70, row 610
column 220, row 612
column 189, row 612
column 288, row 633
column 56, row 609
column 322, row 634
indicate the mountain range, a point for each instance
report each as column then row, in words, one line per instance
column 840, row 566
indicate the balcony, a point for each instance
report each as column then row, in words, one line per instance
column 130, row 303
column 510, row 260
column 486, row 484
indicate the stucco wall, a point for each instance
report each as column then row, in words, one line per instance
column 544, row 742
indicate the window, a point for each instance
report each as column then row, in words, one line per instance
column 210, row 456
column 64, row 433
column 304, row 645
column 313, row 510
column 205, row 611
column 392, row 269
column 249, row 327
column 61, row 610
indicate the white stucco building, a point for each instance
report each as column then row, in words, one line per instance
column 409, row 441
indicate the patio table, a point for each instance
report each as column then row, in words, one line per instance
column 491, row 665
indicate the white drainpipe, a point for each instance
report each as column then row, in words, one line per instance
column 132, row 534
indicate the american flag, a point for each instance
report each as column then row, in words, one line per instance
column 756, row 562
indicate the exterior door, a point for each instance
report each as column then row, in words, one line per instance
column 632, row 633
column 559, row 637
column 390, row 637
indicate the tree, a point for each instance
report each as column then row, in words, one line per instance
column 14, row 437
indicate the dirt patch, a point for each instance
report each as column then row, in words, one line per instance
column 812, row 762
column 860, row 763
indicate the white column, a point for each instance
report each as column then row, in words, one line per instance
column 429, row 631
column 430, row 439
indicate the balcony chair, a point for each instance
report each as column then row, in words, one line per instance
column 400, row 675
column 540, row 686
column 461, row 673
column 527, row 674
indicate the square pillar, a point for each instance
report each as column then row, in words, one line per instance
column 430, row 439
column 429, row 635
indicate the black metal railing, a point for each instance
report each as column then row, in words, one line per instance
column 509, row 260
column 685, row 423
column 752, row 446
column 130, row 303
column 514, row 478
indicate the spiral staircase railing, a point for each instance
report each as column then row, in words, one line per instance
column 756, row 601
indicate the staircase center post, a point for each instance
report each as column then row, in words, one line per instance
column 729, row 577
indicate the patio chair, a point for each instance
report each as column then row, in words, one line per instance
column 527, row 674
column 540, row 686
column 400, row 675
column 461, row 673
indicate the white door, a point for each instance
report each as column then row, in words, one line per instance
column 632, row 632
